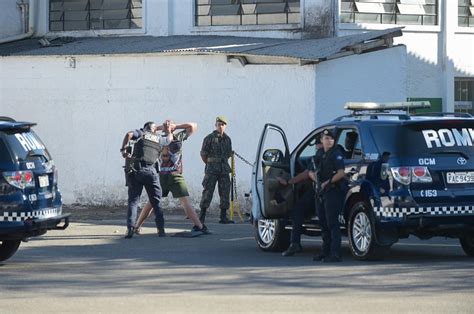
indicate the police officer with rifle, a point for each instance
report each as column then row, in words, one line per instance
column 330, row 197
column 143, row 172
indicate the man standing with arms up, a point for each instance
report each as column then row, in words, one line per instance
column 144, row 158
column 215, row 153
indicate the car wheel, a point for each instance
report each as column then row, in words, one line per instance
column 467, row 244
column 8, row 248
column 361, row 234
column 271, row 235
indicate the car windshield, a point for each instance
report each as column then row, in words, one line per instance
column 24, row 145
column 435, row 137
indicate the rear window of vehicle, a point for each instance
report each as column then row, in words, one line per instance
column 426, row 137
column 4, row 153
column 24, row 145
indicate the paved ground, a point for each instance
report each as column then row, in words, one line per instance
column 90, row 268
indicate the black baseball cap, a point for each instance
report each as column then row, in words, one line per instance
column 329, row 133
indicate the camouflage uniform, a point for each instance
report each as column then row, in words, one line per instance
column 218, row 150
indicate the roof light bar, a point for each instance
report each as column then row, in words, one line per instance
column 375, row 106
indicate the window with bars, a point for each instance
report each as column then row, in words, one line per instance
column 406, row 12
column 71, row 15
column 466, row 13
column 464, row 95
column 247, row 12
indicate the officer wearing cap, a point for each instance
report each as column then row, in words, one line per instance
column 215, row 153
column 143, row 161
column 331, row 175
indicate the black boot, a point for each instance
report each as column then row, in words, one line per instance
column 292, row 249
column 130, row 232
column 202, row 215
column 161, row 232
column 224, row 219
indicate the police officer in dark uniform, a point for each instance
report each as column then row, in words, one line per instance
column 143, row 173
column 331, row 197
column 304, row 204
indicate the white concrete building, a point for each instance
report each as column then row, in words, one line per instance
column 85, row 92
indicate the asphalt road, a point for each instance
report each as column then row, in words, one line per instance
column 90, row 268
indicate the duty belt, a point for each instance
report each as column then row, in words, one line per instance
column 215, row 159
column 141, row 164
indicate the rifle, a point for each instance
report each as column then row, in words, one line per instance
column 128, row 166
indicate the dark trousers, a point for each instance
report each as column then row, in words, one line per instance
column 145, row 177
column 302, row 206
column 329, row 209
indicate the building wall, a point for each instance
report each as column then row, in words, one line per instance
column 10, row 19
column 377, row 76
column 85, row 105
column 436, row 54
column 171, row 17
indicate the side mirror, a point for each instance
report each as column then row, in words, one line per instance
column 273, row 155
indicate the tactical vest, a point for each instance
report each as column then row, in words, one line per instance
column 147, row 148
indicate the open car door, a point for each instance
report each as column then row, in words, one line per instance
column 270, row 199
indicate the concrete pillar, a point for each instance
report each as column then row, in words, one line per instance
column 319, row 18
column 448, row 23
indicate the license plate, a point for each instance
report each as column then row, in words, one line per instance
column 43, row 181
column 460, row 177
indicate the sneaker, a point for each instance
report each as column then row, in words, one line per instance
column 292, row 249
column 332, row 259
column 161, row 232
column 129, row 233
column 204, row 229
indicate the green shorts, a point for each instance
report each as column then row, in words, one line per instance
column 174, row 183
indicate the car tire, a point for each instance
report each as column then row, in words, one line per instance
column 361, row 234
column 271, row 235
column 8, row 248
column 467, row 244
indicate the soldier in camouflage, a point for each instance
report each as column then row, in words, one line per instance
column 215, row 153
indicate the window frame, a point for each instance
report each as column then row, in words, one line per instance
column 409, row 26
column 102, row 31
column 245, row 27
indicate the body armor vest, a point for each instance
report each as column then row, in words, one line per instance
column 147, row 148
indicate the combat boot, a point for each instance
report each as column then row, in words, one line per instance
column 129, row 233
column 224, row 219
column 161, row 232
column 202, row 215
column 292, row 249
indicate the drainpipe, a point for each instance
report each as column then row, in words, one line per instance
column 29, row 24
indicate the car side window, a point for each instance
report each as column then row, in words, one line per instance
column 307, row 153
column 349, row 144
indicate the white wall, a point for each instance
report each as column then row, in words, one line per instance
column 377, row 76
column 173, row 17
column 10, row 19
column 436, row 54
column 84, row 111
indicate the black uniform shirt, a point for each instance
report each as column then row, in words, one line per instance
column 331, row 161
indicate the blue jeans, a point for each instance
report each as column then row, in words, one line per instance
column 145, row 177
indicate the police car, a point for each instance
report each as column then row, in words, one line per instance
column 30, row 201
column 408, row 174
